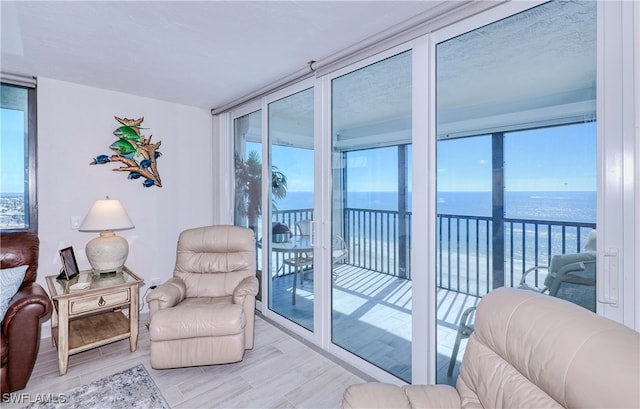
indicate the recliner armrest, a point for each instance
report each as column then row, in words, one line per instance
column 166, row 295
column 248, row 286
column 523, row 280
column 30, row 295
column 384, row 396
column 567, row 268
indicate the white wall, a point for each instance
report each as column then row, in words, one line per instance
column 76, row 123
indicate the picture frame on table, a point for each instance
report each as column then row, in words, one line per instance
column 69, row 264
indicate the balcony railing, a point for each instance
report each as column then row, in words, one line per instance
column 377, row 240
column 466, row 250
column 380, row 240
column 291, row 217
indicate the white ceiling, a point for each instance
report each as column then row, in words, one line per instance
column 203, row 54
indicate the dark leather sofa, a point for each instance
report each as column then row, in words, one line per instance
column 20, row 331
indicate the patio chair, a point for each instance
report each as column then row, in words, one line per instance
column 303, row 227
column 300, row 260
column 571, row 277
column 304, row 260
column 465, row 328
column 339, row 253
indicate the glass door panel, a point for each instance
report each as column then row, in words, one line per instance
column 371, row 214
column 516, row 161
column 291, row 136
column 247, row 131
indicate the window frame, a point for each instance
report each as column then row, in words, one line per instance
column 31, row 210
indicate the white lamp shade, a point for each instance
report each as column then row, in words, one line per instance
column 107, row 214
column 108, row 252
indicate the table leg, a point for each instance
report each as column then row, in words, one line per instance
column 133, row 319
column 63, row 336
column 295, row 278
column 54, row 322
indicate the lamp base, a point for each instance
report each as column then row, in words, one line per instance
column 106, row 273
column 107, row 253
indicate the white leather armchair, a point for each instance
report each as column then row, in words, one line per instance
column 528, row 350
column 204, row 315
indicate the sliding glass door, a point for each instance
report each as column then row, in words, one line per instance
column 379, row 230
column 516, row 161
column 371, row 214
column 247, row 146
column 291, row 255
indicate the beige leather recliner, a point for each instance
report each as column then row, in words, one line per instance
column 204, row 315
column 528, row 350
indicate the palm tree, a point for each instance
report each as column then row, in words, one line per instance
column 249, row 187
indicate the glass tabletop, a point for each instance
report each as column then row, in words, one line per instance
column 300, row 243
column 95, row 281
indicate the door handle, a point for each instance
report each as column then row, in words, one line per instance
column 607, row 277
column 312, row 233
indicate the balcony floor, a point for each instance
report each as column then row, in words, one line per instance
column 372, row 317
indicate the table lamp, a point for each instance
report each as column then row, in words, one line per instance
column 107, row 253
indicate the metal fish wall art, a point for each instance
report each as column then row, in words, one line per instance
column 135, row 151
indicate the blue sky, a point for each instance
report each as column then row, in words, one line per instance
column 549, row 159
column 369, row 170
column 298, row 167
column 552, row 159
column 12, row 151
column 559, row 158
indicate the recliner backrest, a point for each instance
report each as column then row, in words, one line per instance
column 213, row 260
column 18, row 249
column 532, row 350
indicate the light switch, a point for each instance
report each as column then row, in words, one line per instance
column 75, row 222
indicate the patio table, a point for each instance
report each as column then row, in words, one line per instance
column 299, row 246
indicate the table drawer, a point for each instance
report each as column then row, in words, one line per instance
column 99, row 301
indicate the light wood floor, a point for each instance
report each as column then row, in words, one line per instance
column 280, row 372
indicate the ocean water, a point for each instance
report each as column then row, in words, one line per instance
column 576, row 206
column 463, row 246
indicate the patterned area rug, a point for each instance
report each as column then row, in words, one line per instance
column 132, row 388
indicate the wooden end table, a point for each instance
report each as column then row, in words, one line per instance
column 89, row 318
